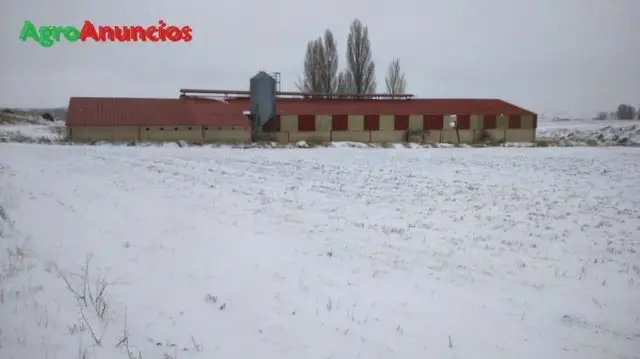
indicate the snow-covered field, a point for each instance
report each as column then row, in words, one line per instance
column 34, row 130
column 319, row 253
column 591, row 132
column 574, row 132
column 545, row 123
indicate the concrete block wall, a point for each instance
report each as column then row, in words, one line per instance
column 226, row 134
column 103, row 133
column 171, row 133
column 192, row 134
column 327, row 127
column 399, row 128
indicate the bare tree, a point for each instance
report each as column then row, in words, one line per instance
column 329, row 63
column 626, row 112
column 312, row 78
column 320, row 65
column 360, row 74
column 395, row 81
column 343, row 83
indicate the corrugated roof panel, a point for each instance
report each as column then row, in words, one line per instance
column 217, row 113
column 286, row 106
column 97, row 111
column 101, row 111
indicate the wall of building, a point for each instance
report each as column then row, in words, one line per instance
column 326, row 128
column 226, row 134
column 399, row 128
column 103, row 133
column 170, row 134
column 193, row 134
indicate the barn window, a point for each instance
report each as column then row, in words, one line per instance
column 514, row 121
column 401, row 122
column 147, row 129
column 433, row 122
column 189, row 128
column 464, row 122
column 340, row 122
column 206, row 128
column 175, row 129
column 161, row 128
column 306, row 123
column 490, row 122
column 371, row 122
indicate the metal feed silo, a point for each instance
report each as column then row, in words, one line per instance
column 262, row 101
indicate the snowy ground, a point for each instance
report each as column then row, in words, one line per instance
column 560, row 133
column 319, row 253
column 545, row 123
column 32, row 130
column 591, row 132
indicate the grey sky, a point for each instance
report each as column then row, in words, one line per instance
column 570, row 57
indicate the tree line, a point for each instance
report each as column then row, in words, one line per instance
column 322, row 73
column 623, row 112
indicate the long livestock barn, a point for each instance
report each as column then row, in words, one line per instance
column 395, row 120
column 91, row 119
column 298, row 117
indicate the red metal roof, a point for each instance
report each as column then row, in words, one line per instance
column 102, row 111
column 216, row 113
column 292, row 106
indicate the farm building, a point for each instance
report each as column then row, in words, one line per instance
column 396, row 120
column 234, row 116
column 148, row 119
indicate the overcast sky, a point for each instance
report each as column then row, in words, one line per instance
column 571, row 57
